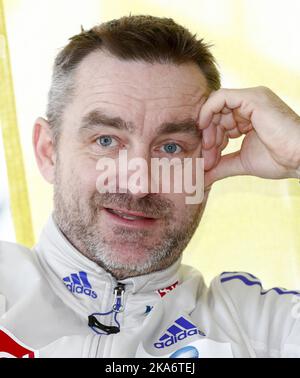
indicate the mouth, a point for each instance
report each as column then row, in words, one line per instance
column 130, row 218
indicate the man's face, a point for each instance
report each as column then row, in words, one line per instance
column 125, row 105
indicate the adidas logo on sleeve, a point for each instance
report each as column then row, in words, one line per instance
column 179, row 330
column 78, row 283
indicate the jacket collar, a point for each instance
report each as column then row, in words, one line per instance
column 58, row 256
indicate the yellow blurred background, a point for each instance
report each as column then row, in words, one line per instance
column 250, row 224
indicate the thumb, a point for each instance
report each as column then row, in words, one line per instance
column 229, row 165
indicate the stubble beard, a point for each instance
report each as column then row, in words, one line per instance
column 78, row 221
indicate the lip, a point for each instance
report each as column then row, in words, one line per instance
column 138, row 223
column 133, row 213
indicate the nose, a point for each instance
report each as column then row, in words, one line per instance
column 135, row 173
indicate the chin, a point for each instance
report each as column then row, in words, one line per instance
column 130, row 254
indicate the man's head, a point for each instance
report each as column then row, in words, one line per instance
column 134, row 84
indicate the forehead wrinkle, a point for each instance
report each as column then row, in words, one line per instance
column 130, row 90
column 148, row 102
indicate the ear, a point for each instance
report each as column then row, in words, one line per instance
column 43, row 145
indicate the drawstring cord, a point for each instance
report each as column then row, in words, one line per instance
column 117, row 307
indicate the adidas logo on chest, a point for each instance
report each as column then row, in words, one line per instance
column 179, row 330
column 78, row 283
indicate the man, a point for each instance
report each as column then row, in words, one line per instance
column 106, row 279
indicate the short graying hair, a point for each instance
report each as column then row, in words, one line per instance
column 138, row 38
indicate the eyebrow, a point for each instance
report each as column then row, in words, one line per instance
column 97, row 118
column 186, row 126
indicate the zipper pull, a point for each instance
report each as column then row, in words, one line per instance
column 119, row 298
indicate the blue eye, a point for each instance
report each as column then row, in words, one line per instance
column 105, row 140
column 172, row 148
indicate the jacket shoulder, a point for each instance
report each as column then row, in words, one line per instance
column 237, row 284
column 14, row 256
column 12, row 248
column 270, row 317
column 19, row 269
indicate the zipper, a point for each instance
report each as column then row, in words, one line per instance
column 119, row 291
column 117, row 307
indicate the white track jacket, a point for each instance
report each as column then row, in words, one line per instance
column 54, row 302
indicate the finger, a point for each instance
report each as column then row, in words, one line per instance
column 210, row 157
column 226, row 110
column 228, row 121
column 224, row 142
column 245, row 127
column 220, row 135
column 229, row 165
column 239, row 117
column 217, row 101
column 209, row 134
column 234, row 133
column 213, row 156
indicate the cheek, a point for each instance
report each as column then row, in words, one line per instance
column 87, row 178
column 78, row 176
column 182, row 210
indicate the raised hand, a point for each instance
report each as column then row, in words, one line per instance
column 271, row 147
